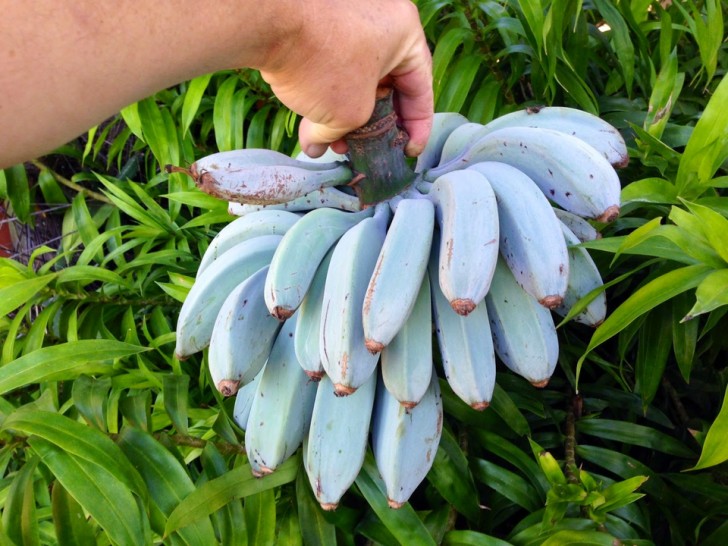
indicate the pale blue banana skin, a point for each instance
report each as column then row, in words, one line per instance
column 443, row 123
column 266, row 222
column 308, row 323
column 300, row 252
column 344, row 354
column 524, row 334
column 405, row 441
column 204, row 300
column 400, row 268
column 242, row 336
column 282, row 406
column 234, row 160
column 579, row 226
column 336, row 443
column 244, row 401
column 466, row 347
column 467, row 214
column 584, row 277
column 531, row 241
column 324, row 198
column 459, row 140
column 593, row 130
column 406, row 363
column 569, row 172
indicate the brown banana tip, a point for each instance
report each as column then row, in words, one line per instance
column 228, row 387
column 181, row 357
column 174, row 169
column 540, row 384
column 262, row 471
column 374, row 347
column 463, row 306
column 329, row 506
column 480, row 406
column 621, row 163
column 315, row 376
column 551, row 302
column 408, row 405
column 609, row 215
column 281, row 313
column 394, row 504
column 343, row 390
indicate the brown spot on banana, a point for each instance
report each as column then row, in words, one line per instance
column 228, row 387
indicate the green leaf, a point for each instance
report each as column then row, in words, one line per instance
column 14, row 295
column 714, row 226
column 621, row 39
column 260, row 518
column 228, row 520
column 471, row 538
column 655, row 342
column 504, row 406
column 19, row 511
column 191, row 103
column 176, row 389
column 633, row 434
column 316, row 531
column 89, row 396
column 649, row 190
column 507, row 483
column 155, row 133
column 445, row 49
column 580, row 538
column 549, row 465
column 18, row 189
column 455, row 92
column 69, row 521
column 64, row 361
column 715, row 448
column 711, row 293
column 222, row 114
column 87, row 274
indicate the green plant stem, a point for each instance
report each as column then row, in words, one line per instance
column 191, row 441
column 571, row 469
column 72, row 185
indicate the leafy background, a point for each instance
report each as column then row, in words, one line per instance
column 106, row 438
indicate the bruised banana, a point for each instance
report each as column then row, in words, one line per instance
column 344, row 354
column 242, row 337
column 569, row 172
column 406, row 362
column 467, row 214
column 443, row 123
column 405, row 441
column 299, row 253
column 580, row 227
column 524, row 334
column 398, row 273
column 318, row 199
column 281, row 410
column 203, row 302
column 265, row 222
column 531, row 241
column 334, row 449
column 263, row 176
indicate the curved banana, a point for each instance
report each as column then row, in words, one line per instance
column 405, row 441
column 324, row 198
column 242, row 336
column 402, row 263
column 406, row 363
column 344, row 354
column 593, row 130
column 460, row 139
column 443, row 123
column 299, row 254
column 524, row 334
column 265, row 222
column 466, row 346
column 569, row 172
column 263, row 176
column 531, row 241
column 467, row 214
column 584, row 277
column 204, row 300
column 281, row 410
column 336, row 443
column 308, row 323
column 583, row 230
column 244, row 401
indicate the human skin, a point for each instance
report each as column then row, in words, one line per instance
column 67, row 66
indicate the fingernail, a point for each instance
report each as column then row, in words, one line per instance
column 316, row 150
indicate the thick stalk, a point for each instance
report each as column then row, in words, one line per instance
column 376, row 153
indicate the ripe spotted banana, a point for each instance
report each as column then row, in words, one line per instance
column 583, row 230
column 299, row 254
column 405, row 441
column 244, row 401
column 524, row 333
column 324, row 198
column 569, row 172
column 344, row 354
column 204, row 300
column 402, row 263
column 281, row 410
column 266, row 222
column 467, row 214
column 242, row 337
column 406, row 363
column 336, row 443
column 531, row 241
column 443, row 123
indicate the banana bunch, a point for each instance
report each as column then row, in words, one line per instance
column 319, row 314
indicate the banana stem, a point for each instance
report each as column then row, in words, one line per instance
column 376, row 153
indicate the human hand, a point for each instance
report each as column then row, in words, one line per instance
column 330, row 70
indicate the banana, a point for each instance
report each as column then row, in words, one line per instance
column 405, row 441
column 406, row 363
column 265, row 222
column 531, row 241
column 299, row 254
column 580, row 227
column 569, row 172
column 281, row 410
column 584, row 277
column 593, row 130
column 344, row 354
column 524, row 333
column 204, row 300
column 443, row 123
column 466, row 346
column 324, row 198
column 336, row 443
column 308, row 323
column 263, row 176
column 467, row 213
column 460, row 139
column 242, row 336
column 244, row 401
column 402, row 263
